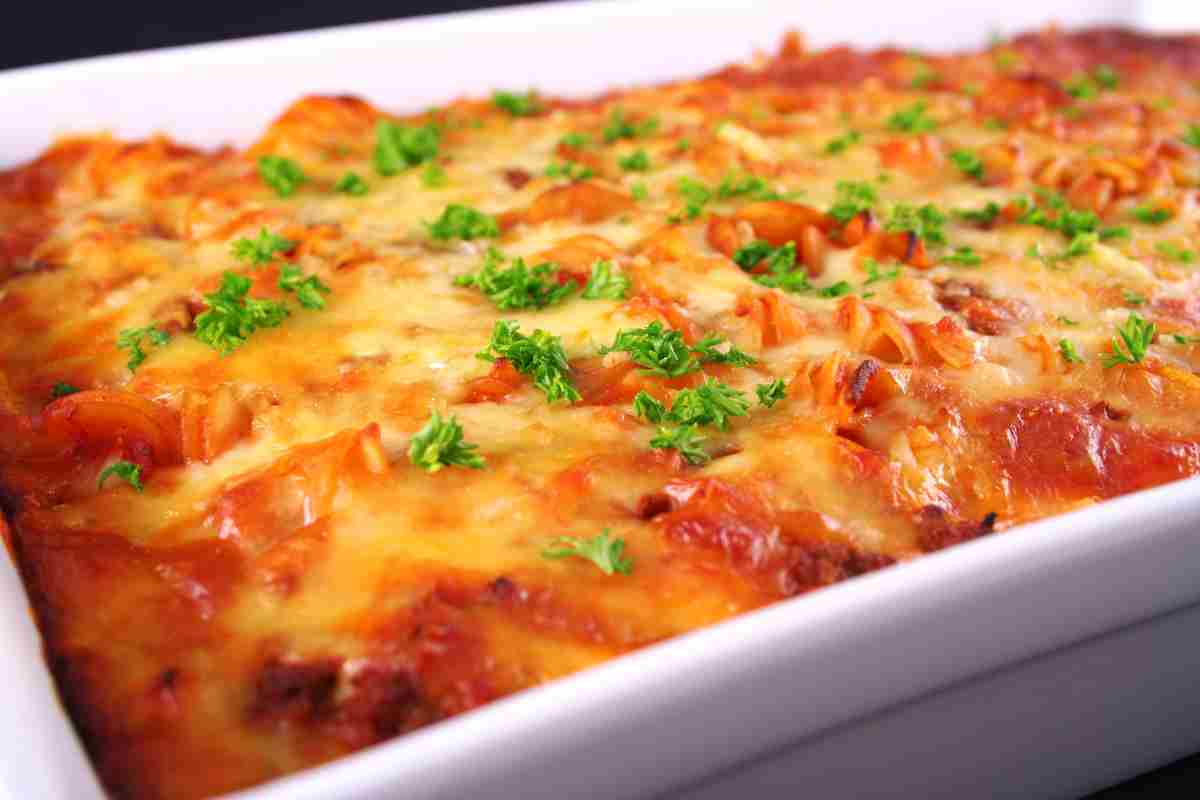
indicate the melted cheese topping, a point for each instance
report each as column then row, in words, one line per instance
column 289, row 587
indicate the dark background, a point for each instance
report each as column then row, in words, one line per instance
column 39, row 33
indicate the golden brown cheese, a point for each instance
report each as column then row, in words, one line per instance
column 289, row 587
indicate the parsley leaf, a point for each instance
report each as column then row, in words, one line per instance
column 618, row 127
column 570, row 170
column 748, row 256
column 1192, row 136
column 518, row 287
column 771, row 393
column 519, row 104
column 784, row 273
column 660, row 350
column 969, row 163
column 1130, row 343
column 1185, row 340
column 874, row 274
column 1151, row 215
column 639, row 191
column 912, row 119
column 352, row 184
column 282, row 174
column 125, row 470
column 440, row 444
column 965, row 256
column 1133, row 298
column 695, row 195
column 232, row 317
column 835, row 290
column 262, row 249
column 62, row 389
column 706, row 350
column 1067, row 320
column 433, row 176
column 398, row 147
column 853, row 197
column 710, row 403
column 684, row 439
column 1106, row 76
column 308, row 289
column 645, row 406
column 463, row 222
column 539, row 355
column 131, row 339
column 926, row 222
column 983, row 216
column 745, row 185
column 842, row 143
column 636, row 161
column 605, row 553
column 1175, row 252
column 1066, row 349
column 576, row 141
column 605, row 284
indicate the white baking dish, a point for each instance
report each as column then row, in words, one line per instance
column 1043, row 662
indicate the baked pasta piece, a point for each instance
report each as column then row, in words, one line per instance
column 309, row 445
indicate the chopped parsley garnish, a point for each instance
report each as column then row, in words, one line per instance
column 784, row 273
column 398, row 147
column 875, row 274
column 842, row 143
column 125, row 470
column 606, row 284
column 463, row 222
column 1175, row 252
column 646, row 407
column 539, row 355
column 1068, row 221
column 695, row 195
column 1133, row 298
column 662, row 351
column 1132, row 340
column 710, row 403
column 607, row 554
column 636, row 161
column 1066, row 349
column 835, row 290
column 1080, row 245
column 62, row 389
column 771, row 393
column 1087, row 87
column 1192, row 136
column 684, row 439
column 440, row 444
column 571, row 170
column 309, row 289
column 912, row 119
column 433, row 176
column 853, row 197
column 1067, row 320
column 970, row 164
column 1179, row 338
column 924, row 76
column 982, row 216
column 131, row 339
column 518, row 287
column 745, row 185
column 639, row 191
column 748, row 256
column 281, row 174
column 926, row 222
column 352, row 184
column 1151, row 215
column 706, row 350
column 519, row 104
column 1115, row 232
column 261, row 249
column 964, row 256
column 575, row 140
column 232, row 317
column 618, row 127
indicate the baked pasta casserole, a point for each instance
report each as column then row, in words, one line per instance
column 309, row 445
